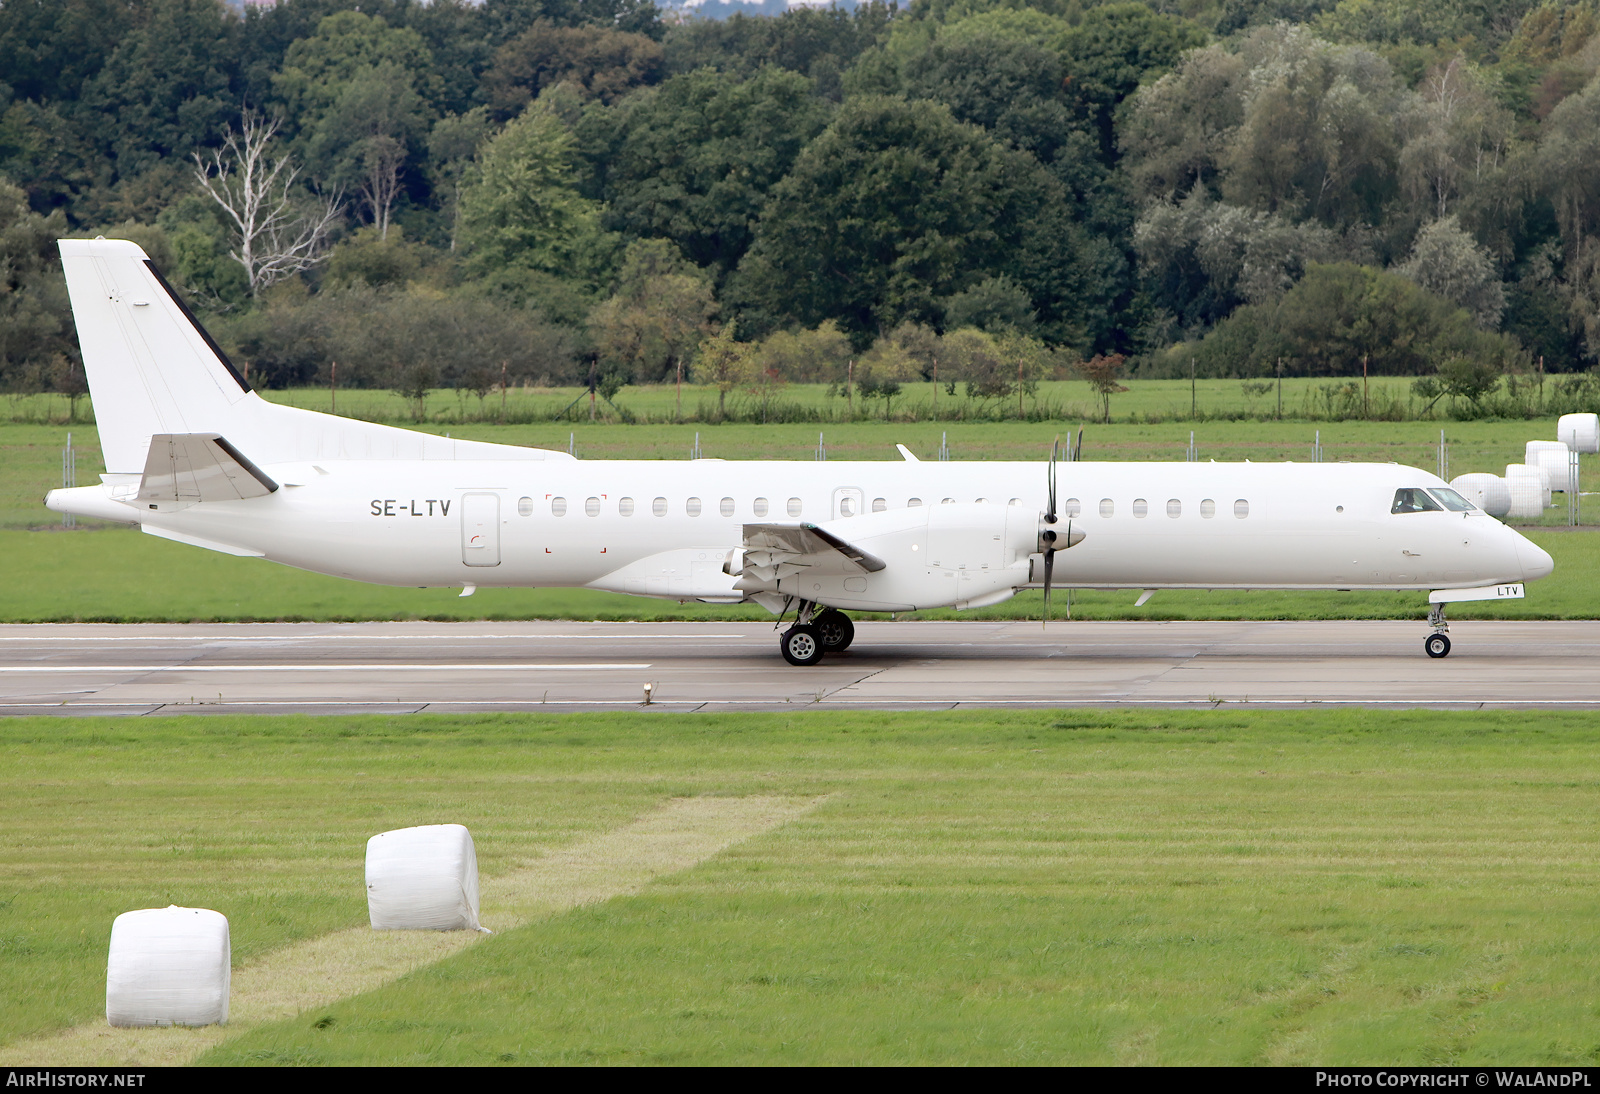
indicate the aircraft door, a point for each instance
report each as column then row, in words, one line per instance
column 480, row 529
column 847, row 502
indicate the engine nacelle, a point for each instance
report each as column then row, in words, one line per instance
column 965, row 554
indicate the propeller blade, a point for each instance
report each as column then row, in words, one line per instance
column 1050, row 503
column 1049, row 567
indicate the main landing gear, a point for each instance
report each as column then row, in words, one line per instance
column 1438, row 643
column 816, row 633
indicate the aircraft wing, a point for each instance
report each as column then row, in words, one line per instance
column 185, row 468
column 775, row 551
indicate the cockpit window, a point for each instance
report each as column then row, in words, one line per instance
column 1409, row 499
column 1452, row 500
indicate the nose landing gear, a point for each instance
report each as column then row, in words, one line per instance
column 816, row 633
column 1437, row 644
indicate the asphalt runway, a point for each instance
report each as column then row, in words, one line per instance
column 336, row 668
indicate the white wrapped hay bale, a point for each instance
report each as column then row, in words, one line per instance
column 168, row 967
column 1488, row 492
column 1552, row 456
column 1579, row 432
column 423, row 879
column 1528, row 491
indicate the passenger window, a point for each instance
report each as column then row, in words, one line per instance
column 625, row 507
column 1107, row 507
column 980, row 501
column 1141, row 508
column 1452, row 500
column 1014, row 501
column 794, row 507
column 524, row 507
column 592, row 507
column 947, row 501
column 659, row 507
column 558, row 507
column 760, row 507
column 726, row 508
column 847, row 507
column 1072, row 508
column 1411, row 500
column 1174, row 508
column 913, row 503
column 692, row 507
column 1208, row 509
column 1241, row 509
column 879, row 505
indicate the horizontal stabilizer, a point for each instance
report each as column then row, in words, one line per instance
column 187, row 468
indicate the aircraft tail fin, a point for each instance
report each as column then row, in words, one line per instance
column 152, row 368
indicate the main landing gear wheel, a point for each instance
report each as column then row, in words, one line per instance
column 801, row 644
column 1437, row 645
column 834, row 630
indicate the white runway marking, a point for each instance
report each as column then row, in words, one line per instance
column 246, row 667
column 350, row 637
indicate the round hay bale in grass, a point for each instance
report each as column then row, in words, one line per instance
column 1579, row 432
column 168, row 967
column 423, row 879
column 1488, row 492
column 1552, row 456
column 1528, row 490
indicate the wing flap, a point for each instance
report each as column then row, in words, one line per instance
column 775, row 551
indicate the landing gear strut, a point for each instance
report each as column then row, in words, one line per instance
column 1438, row 643
column 815, row 633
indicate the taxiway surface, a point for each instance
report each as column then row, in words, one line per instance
column 403, row 667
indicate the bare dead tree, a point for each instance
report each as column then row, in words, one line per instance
column 383, row 158
column 276, row 235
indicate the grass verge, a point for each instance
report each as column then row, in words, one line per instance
column 988, row 887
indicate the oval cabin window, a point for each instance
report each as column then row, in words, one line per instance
column 1072, row 508
column 1141, row 508
column 794, row 507
column 524, row 507
column 625, row 507
column 1014, row 501
column 692, row 507
column 1241, row 509
column 879, row 504
column 1208, row 509
column 913, row 503
column 760, row 507
column 726, row 507
column 1174, row 508
column 1107, row 507
column 659, row 507
column 558, row 507
column 847, row 507
column 592, row 507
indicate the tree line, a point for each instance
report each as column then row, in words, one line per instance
column 386, row 193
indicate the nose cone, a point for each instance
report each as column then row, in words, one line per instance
column 1536, row 561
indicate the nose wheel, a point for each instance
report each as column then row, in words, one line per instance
column 1437, row 644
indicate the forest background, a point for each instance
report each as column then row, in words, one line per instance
column 979, row 193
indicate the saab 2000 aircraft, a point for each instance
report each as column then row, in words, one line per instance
column 193, row 455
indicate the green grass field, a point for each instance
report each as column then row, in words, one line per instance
column 1197, row 888
column 1067, row 400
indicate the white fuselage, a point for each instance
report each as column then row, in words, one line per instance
column 668, row 529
